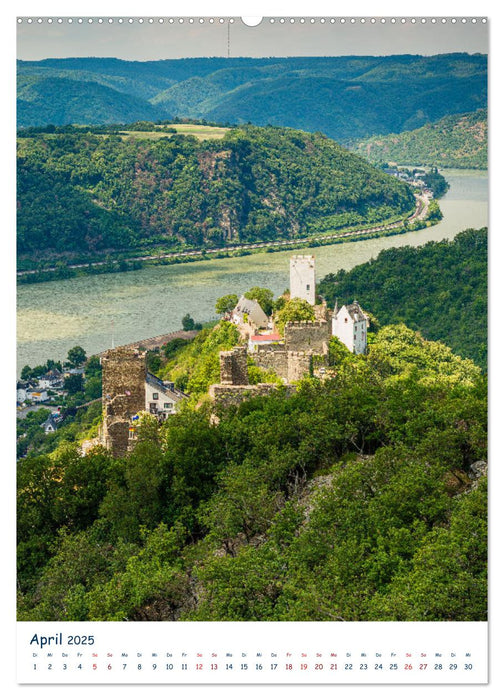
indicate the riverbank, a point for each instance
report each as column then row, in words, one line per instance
column 426, row 213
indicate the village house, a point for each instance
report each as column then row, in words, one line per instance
column 51, row 380
column 51, row 424
column 161, row 398
column 249, row 311
column 349, row 324
column 74, row 370
column 37, row 396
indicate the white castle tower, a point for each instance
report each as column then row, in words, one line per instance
column 302, row 277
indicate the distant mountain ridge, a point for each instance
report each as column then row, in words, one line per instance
column 344, row 97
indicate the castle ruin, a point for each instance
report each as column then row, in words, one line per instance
column 123, row 381
column 292, row 359
column 233, row 366
column 234, row 384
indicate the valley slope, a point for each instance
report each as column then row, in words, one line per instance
column 455, row 141
column 438, row 289
column 87, row 193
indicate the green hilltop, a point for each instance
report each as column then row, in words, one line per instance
column 360, row 497
column 455, row 141
column 84, row 192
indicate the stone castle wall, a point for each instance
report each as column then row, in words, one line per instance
column 123, row 381
column 298, row 365
column 307, row 336
column 233, row 366
column 292, row 360
column 273, row 357
column 323, row 313
column 156, row 342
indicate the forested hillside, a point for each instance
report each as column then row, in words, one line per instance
column 344, row 96
column 459, row 141
column 86, row 192
column 361, row 497
column 439, row 288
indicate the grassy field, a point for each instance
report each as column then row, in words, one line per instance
column 200, row 131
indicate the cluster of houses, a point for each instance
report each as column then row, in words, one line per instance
column 43, row 390
column 414, row 178
column 36, row 390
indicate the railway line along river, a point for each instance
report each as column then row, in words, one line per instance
column 96, row 311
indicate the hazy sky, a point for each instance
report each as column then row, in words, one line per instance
column 151, row 41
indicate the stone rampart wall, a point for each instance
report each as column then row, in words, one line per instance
column 273, row 357
column 298, row 364
column 233, row 366
column 307, row 336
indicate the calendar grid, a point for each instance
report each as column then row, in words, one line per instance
column 339, row 653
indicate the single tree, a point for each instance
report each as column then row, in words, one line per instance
column 76, row 356
column 263, row 296
column 188, row 323
column 226, row 304
column 73, row 383
column 26, row 372
column 294, row 310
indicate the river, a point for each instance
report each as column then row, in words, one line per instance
column 101, row 310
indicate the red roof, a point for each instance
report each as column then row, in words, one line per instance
column 271, row 338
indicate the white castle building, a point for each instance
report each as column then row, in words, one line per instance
column 302, row 277
column 349, row 324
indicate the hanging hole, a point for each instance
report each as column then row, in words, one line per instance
column 251, row 21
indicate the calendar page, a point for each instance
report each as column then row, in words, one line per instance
column 251, row 350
